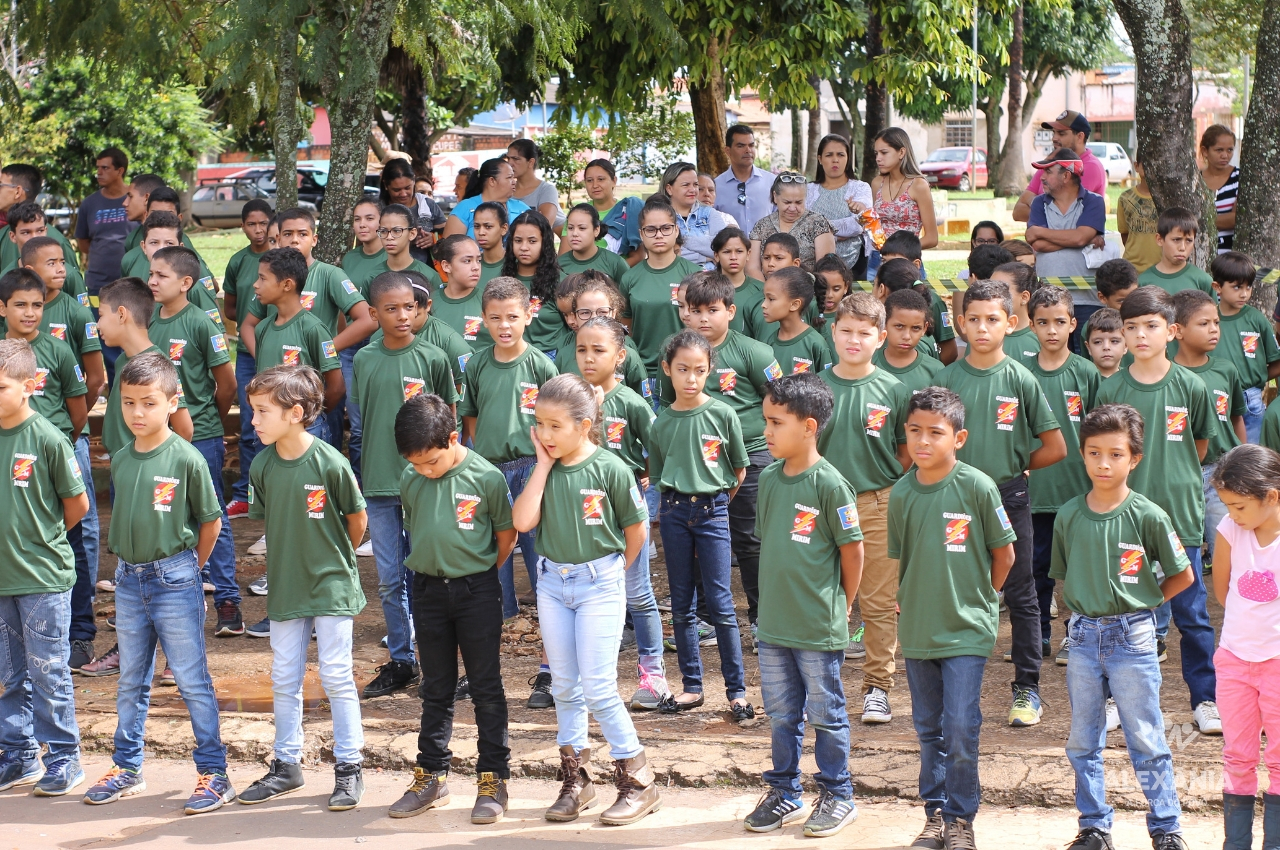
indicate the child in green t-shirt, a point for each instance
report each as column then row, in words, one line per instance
column 590, row 517
column 1104, row 341
column 457, row 302
column 304, row 490
column 531, row 259
column 490, row 228
column 897, row 275
column 363, row 262
column 427, row 327
column 906, row 322
column 596, row 296
column 954, row 545
column 1106, row 544
column 164, row 230
column 807, row 521
column 836, row 279
column 798, row 347
column 732, row 248
column 46, row 497
column 457, row 512
column 1248, row 338
column 167, row 522
column 1176, row 235
column 905, row 245
column 1020, row 343
column 27, row 221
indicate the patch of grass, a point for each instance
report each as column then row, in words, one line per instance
column 217, row 247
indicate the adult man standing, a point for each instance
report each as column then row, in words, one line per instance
column 102, row 224
column 742, row 192
column 1071, row 131
column 1065, row 219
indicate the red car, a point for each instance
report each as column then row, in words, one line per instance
column 948, row 168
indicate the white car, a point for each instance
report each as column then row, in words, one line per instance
column 1115, row 160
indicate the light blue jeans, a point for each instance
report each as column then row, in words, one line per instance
column 390, row 548
column 163, row 602
column 580, row 610
column 800, row 683
column 1120, row 652
column 289, row 641
column 38, row 704
column 517, row 474
column 1214, row 511
column 1254, row 408
column 643, row 607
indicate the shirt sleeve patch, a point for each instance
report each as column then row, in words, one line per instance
column 773, row 371
column 848, row 516
column 90, row 330
column 1004, row 518
column 349, row 287
column 79, row 374
column 637, row 496
column 330, row 350
column 219, row 342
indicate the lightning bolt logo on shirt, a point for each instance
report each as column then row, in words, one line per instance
column 1075, row 405
column 42, row 379
column 176, row 347
column 316, row 500
column 163, row 494
column 1007, row 413
column 470, row 327
column 308, row 299
column 1220, row 401
column 728, row 382
column 291, row 355
column 710, row 450
column 414, row 387
column 528, row 399
column 1249, row 342
column 613, row 433
column 804, row 522
column 1130, row 562
column 957, row 532
column 799, row 366
column 876, row 417
column 22, row 467
column 58, row 332
column 466, row 511
column 535, row 304
column 593, row 507
column 1175, row 423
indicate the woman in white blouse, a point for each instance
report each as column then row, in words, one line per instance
column 838, row 194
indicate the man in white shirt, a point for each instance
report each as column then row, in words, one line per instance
column 1070, row 130
column 742, row 192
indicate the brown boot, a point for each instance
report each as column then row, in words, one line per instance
column 577, row 794
column 637, row 793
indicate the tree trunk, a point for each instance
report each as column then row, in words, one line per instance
column 877, row 100
column 1161, row 38
column 417, row 142
column 797, row 141
column 1013, row 168
column 706, row 97
column 288, row 129
column 993, row 111
column 1258, row 206
column 815, row 127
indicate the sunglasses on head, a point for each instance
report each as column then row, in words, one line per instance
column 792, row 178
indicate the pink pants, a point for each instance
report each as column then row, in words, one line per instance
column 1249, row 702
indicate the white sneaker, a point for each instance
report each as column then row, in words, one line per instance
column 258, row 587
column 1113, row 716
column 875, row 707
column 365, row 549
column 106, row 585
column 1053, row 609
column 1207, row 719
column 259, row 548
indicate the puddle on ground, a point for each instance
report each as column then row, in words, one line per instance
column 253, row 693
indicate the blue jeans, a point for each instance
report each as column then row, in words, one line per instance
column 221, row 565
column 348, row 358
column 699, row 526
column 163, row 602
column 84, row 538
column 390, row 548
column 797, row 683
column 1214, row 511
column 246, row 368
column 1254, row 407
column 517, row 474
column 580, row 610
column 38, row 704
column 1190, row 612
column 945, row 693
column 643, row 608
column 1118, row 651
column 320, row 428
column 289, row 642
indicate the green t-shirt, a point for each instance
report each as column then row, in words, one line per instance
column 739, row 377
column 651, row 306
column 1005, row 411
column 311, row 564
column 749, row 317
column 501, row 397
column 915, row 377
column 603, row 260
column 9, row 254
column 362, row 268
column 203, row 292
column 372, row 270
column 633, row 374
column 327, row 294
column 802, row 521
column 58, row 378
column 867, row 424
column 382, row 380
column 941, row 329
column 162, row 498
column 697, row 452
column 1022, row 345
column 1071, row 390
column 72, row 285
column 1223, row 383
column 628, row 425
column 242, row 273
column 464, row 315
column 1190, row 277
column 942, row 535
column 303, row 340
column 135, row 237
column 1271, row 426
column 36, row 555
column 488, row 271
column 65, row 318
column 115, row 433
column 1107, row 561
column 1177, row 411
column 805, row 352
column 194, row 345
column 1248, row 343
column 585, row 508
column 548, row 331
column 452, row 519
column 455, row 347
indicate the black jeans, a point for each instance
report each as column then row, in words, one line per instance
column 742, row 531
column 452, row 614
column 1020, row 587
column 1042, row 528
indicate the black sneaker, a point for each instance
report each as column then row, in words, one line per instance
column 829, row 816
column 1162, row 651
column 628, row 640
column 81, row 654
column 1168, row 841
column 230, row 623
column 774, row 811
column 282, row 778
column 463, row 691
column 348, row 787
column 260, row 629
column 744, row 714
column 1092, row 838
column 540, row 696
column 392, row 676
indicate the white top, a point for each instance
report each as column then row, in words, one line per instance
column 1251, row 623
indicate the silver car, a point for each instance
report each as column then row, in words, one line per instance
column 219, row 204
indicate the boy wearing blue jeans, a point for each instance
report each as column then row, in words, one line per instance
column 811, row 547
column 162, row 494
column 954, row 545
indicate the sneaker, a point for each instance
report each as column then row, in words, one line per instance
column 15, row 771
column 1092, row 838
column 706, row 635
column 208, row 587
column 427, row 792
column 829, row 816
column 650, row 693
column 107, row 664
column 166, row 677
column 1113, row 716
column 463, row 691
column 237, row 509
column 59, row 778
column 960, row 835
column 260, row 547
column 348, row 787
column 1026, row 710
column 213, row 791
column 81, row 654
column 106, row 585
column 755, row 639
column 1168, row 841
column 392, row 676
column 1046, row 649
column 260, row 629
column 491, row 798
column 664, row 604
column 744, row 714
column 385, row 640
column 365, row 549
column 774, row 811
column 628, row 640
column 1064, row 653
column 1207, row 720
column 875, row 706
column 1053, row 609
column 856, row 648
column 540, row 696
column 282, row 778
column 1162, row 651
column 111, row 622
column 1008, row 657
column 933, row 836
column 258, row 587
column 230, row 623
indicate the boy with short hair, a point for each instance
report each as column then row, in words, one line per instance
column 1176, row 236
column 984, row 259
column 906, row 321
column 777, row 252
column 1182, row 416
column 949, row 531
column 1105, row 545
column 164, row 495
column 905, row 245
column 1105, row 342
column 457, row 510
column 21, row 184
column 807, row 522
column 1070, row 385
column 163, row 229
column 27, row 221
column 1248, row 339
column 137, row 204
column 865, row 442
column 315, row 516
column 1007, row 413
column 1114, row 280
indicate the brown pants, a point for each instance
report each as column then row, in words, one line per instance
column 878, row 592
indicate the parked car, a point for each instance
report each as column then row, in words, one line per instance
column 948, row 168
column 1115, row 160
column 311, row 182
column 57, row 211
column 219, row 204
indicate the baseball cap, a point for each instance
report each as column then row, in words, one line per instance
column 1071, row 120
column 1065, row 157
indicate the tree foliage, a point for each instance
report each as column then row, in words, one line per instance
column 564, row 153
column 643, row 143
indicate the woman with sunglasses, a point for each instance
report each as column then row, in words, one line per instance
column 698, row 223
column 815, row 234
column 495, row 182
column 621, row 217
column 839, row 195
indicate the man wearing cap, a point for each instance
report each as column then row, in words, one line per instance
column 1065, row 219
column 1070, row 130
